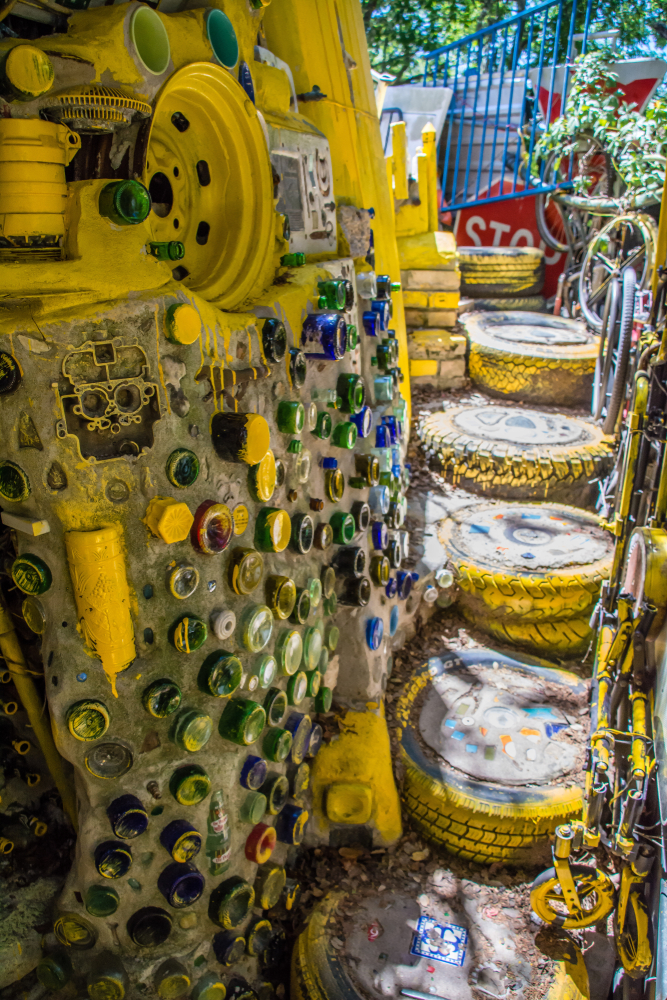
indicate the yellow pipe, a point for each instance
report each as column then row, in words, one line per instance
column 13, row 654
column 638, row 755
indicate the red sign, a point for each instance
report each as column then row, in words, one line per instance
column 509, row 223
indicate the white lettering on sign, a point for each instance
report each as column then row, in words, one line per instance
column 522, row 234
column 499, row 228
column 473, row 221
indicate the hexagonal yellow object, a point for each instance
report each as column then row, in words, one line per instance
column 349, row 802
column 168, row 519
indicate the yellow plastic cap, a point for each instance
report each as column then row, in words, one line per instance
column 182, row 324
column 349, row 803
column 29, row 71
column 264, row 477
column 258, row 440
column 169, row 519
column 280, row 527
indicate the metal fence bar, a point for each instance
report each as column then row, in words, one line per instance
column 587, row 25
column 540, row 67
column 494, row 27
column 526, row 78
column 542, row 189
column 504, row 56
column 501, row 74
column 462, row 118
column 474, row 118
column 509, row 123
column 489, row 69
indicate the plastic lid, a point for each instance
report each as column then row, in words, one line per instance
column 29, row 71
column 182, row 323
column 263, row 477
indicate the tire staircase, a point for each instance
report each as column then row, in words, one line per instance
column 490, row 738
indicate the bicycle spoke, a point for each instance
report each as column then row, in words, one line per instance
column 609, row 264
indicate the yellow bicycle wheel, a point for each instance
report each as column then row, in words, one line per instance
column 633, row 942
column 594, row 888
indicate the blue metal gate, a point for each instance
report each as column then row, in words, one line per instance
column 508, row 81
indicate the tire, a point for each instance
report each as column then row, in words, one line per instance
column 501, row 271
column 603, row 364
column 532, row 303
column 321, row 972
column 636, row 228
column 531, row 357
column 586, row 878
column 635, row 943
column 482, row 820
column 559, row 640
column 501, row 579
column 619, row 386
column 518, row 454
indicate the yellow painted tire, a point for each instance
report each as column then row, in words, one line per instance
column 458, row 440
column 317, row 972
column 561, row 640
column 501, row 587
column 531, row 357
column 480, row 820
column 530, row 303
column 501, row 271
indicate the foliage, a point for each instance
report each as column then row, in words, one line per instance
column 636, row 143
column 399, row 32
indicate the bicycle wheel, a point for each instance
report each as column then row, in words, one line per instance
column 634, row 942
column 627, row 241
column 595, row 890
column 601, row 379
column 621, row 355
column 562, row 227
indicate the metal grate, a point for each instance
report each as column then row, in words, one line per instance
column 508, row 81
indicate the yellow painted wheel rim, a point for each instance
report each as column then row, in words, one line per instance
column 232, row 194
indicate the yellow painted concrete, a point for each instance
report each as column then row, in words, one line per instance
column 361, row 755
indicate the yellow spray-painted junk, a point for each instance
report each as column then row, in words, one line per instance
column 102, row 597
column 33, row 190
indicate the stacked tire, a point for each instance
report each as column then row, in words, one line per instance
column 487, row 774
column 529, row 575
column 529, row 358
column 502, row 278
column 517, row 453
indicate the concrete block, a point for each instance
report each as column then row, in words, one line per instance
column 423, row 367
column 429, row 344
column 446, row 280
column 430, row 317
column 459, row 344
column 432, row 251
column 439, row 344
column 430, row 300
column 449, row 374
column 415, row 300
column 443, row 300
